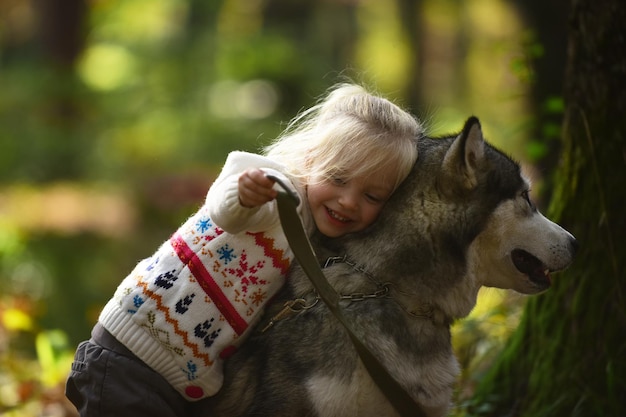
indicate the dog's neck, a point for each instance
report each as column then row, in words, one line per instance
column 386, row 289
column 420, row 278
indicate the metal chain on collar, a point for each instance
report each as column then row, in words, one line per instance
column 383, row 292
column 345, row 260
column 424, row 312
column 300, row 305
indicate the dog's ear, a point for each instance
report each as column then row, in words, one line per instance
column 464, row 157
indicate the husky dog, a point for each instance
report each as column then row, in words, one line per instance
column 461, row 220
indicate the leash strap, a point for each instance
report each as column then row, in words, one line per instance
column 301, row 247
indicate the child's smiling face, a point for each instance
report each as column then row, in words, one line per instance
column 343, row 206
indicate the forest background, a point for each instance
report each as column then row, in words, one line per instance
column 116, row 116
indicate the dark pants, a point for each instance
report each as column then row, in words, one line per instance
column 107, row 380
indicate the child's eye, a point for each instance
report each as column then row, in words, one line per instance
column 338, row 181
column 373, row 198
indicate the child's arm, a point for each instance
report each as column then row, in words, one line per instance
column 252, row 209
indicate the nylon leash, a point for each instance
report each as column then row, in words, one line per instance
column 301, row 247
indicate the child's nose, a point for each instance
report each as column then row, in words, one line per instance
column 349, row 201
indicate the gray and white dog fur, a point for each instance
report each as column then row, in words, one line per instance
column 461, row 220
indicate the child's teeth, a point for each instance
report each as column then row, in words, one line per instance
column 335, row 216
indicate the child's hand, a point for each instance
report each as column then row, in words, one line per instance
column 255, row 188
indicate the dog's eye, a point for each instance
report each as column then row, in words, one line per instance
column 526, row 196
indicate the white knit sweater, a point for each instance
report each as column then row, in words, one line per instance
column 187, row 307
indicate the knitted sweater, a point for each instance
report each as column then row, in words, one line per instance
column 186, row 308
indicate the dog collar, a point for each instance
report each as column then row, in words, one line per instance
column 426, row 311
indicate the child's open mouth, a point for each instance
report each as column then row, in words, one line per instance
column 336, row 216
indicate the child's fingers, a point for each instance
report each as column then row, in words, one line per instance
column 255, row 188
column 259, row 177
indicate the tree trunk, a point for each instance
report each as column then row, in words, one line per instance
column 409, row 18
column 62, row 37
column 548, row 19
column 568, row 356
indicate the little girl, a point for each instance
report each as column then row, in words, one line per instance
column 160, row 342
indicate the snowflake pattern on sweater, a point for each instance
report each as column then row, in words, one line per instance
column 197, row 297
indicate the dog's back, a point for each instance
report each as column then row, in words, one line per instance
column 444, row 234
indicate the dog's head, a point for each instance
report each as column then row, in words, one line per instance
column 516, row 247
column 462, row 219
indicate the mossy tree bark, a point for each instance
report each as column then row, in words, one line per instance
column 568, row 356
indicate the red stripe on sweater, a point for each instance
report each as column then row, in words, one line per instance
column 208, row 284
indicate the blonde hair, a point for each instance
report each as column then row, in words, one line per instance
column 350, row 133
